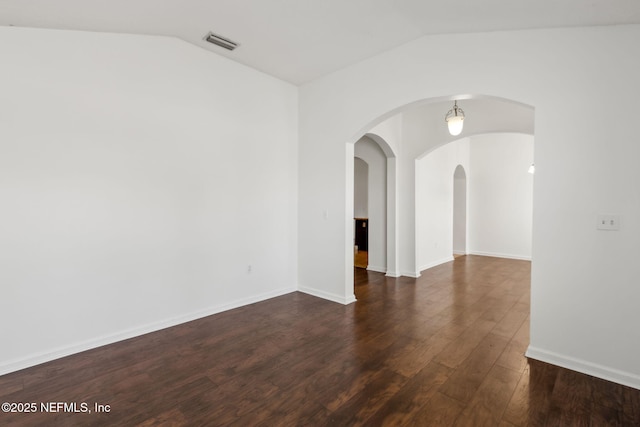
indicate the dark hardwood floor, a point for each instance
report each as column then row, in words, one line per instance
column 444, row 349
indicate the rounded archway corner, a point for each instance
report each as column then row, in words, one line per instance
column 459, row 172
column 382, row 143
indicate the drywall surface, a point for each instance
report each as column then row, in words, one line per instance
column 501, row 195
column 434, row 202
column 141, row 178
column 361, row 188
column 390, row 131
column 584, row 281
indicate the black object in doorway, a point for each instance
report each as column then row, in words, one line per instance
column 362, row 234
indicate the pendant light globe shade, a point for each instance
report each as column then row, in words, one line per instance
column 455, row 119
column 455, row 125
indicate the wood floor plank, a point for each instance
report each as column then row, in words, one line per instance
column 414, row 394
column 540, row 387
column 630, row 405
column 362, row 406
column 457, row 352
column 511, row 322
column 415, row 356
column 513, row 355
column 518, row 410
column 491, row 399
column 444, row 349
column 171, row 418
column 440, row 411
column 12, row 383
column 573, row 396
column 465, row 381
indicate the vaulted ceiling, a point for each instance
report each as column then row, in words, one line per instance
column 300, row 40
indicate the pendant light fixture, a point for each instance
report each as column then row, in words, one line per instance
column 455, row 119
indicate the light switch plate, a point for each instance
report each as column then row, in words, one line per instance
column 608, row 222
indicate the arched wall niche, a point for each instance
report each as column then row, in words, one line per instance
column 459, row 237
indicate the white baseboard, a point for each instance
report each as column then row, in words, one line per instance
column 57, row 353
column 412, row 274
column 377, row 269
column 393, row 274
column 436, row 263
column 500, row 255
column 593, row 369
column 327, row 295
column 459, row 252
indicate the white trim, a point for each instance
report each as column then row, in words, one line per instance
column 393, row 274
column 459, row 252
column 377, row 269
column 499, row 255
column 47, row 356
column 589, row 368
column 436, row 263
column 328, row 296
column 412, row 274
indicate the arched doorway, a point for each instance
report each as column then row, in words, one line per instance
column 419, row 128
column 361, row 185
column 459, row 212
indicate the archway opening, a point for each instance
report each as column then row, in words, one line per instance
column 361, row 184
column 413, row 131
column 459, row 212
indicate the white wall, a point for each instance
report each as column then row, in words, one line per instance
column 584, row 291
column 360, row 188
column 501, row 195
column 134, row 194
column 434, row 202
column 376, row 160
column 459, row 211
column 390, row 131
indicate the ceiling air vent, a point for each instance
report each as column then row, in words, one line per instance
column 220, row 41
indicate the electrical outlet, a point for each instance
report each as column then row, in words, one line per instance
column 608, row 222
column 249, row 269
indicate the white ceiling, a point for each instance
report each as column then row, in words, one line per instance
column 300, row 40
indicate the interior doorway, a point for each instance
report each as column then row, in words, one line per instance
column 361, row 248
column 360, row 212
column 459, row 212
column 405, row 243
